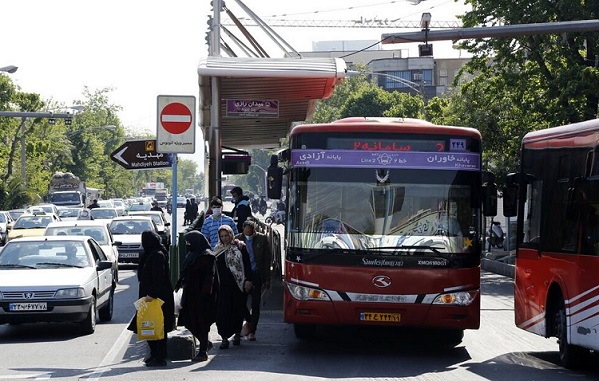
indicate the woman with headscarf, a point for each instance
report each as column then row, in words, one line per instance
column 234, row 272
column 199, row 282
column 155, row 283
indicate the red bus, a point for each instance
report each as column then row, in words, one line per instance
column 555, row 196
column 384, row 225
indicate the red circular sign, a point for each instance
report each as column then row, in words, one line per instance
column 176, row 118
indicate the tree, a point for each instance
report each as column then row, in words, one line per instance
column 525, row 83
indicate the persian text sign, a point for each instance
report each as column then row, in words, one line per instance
column 248, row 108
column 175, row 131
column 385, row 159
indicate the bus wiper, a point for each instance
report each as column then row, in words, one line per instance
column 16, row 266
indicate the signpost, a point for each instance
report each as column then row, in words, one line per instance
column 141, row 154
column 175, row 130
column 175, row 133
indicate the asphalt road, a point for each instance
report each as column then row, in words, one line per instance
column 497, row 351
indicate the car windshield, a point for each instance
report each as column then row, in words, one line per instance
column 103, row 213
column 36, row 254
column 96, row 232
column 142, row 206
column 68, row 213
column 32, row 222
column 130, row 226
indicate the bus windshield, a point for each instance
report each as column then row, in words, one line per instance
column 409, row 211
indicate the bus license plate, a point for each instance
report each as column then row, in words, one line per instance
column 382, row 317
column 27, row 306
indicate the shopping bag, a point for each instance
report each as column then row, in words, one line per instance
column 150, row 320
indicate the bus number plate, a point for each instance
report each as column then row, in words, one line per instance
column 380, row 317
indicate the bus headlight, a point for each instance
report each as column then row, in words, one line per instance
column 306, row 293
column 462, row 298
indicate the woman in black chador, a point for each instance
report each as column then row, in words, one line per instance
column 155, row 283
column 199, row 282
column 234, row 273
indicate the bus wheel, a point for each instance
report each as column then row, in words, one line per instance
column 454, row 337
column 303, row 331
column 571, row 356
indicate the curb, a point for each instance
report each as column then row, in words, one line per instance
column 498, row 267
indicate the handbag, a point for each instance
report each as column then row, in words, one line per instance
column 150, row 319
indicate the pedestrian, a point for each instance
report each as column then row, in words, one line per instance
column 215, row 221
column 234, row 274
column 155, row 283
column 94, row 204
column 199, row 282
column 155, row 207
column 194, row 210
column 242, row 209
column 260, row 256
column 187, row 213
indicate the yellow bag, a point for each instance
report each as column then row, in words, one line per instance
column 150, row 320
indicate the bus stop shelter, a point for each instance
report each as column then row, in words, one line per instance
column 292, row 85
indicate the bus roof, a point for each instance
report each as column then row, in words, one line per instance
column 581, row 134
column 382, row 124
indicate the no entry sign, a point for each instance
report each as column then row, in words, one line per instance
column 175, row 127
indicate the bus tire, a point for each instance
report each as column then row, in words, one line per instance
column 571, row 356
column 303, row 331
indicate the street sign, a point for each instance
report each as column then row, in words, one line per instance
column 175, row 131
column 141, row 154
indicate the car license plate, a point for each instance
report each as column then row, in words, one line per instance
column 128, row 255
column 382, row 317
column 28, row 306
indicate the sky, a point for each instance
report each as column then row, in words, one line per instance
column 145, row 48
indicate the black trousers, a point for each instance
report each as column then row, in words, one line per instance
column 158, row 348
column 256, row 293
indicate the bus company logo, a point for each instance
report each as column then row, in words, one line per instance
column 381, row 281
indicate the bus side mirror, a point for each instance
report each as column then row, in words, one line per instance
column 510, row 201
column 489, row 193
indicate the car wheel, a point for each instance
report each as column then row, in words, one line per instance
column 88, row 326
column 105, row 312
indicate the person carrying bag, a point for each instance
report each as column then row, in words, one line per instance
column 154, row 283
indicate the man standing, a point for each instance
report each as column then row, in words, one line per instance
column 260, row 260
column 242, row 210
column 155, row 207
column 215, row 221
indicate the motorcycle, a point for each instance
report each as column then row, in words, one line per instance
column 496, row 235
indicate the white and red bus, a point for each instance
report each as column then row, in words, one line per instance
column 384, row 225
column 555, row 196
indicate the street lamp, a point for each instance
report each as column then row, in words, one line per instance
column 9, row 69
column 265, row 180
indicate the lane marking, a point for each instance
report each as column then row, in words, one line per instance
column 111, row 356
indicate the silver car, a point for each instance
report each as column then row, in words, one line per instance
column 56, row 279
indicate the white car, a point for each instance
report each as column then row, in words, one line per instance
column 162, row 224
column 56, row 279
column 104, row 214
column 127, row 230
column 68, row 214
column 98, row 230
column 6, row 223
